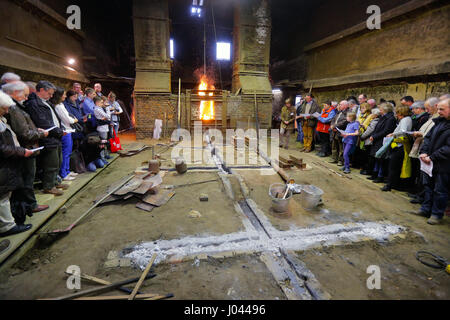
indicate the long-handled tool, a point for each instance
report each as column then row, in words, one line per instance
column 143, row 277
column 99, row 290
column 75, row 223
column 103, row 282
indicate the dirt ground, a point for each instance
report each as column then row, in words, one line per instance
column 340, row 270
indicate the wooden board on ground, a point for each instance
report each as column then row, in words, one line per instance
column 285, row 160
column 160, row 198
column 110, row 199
column 285, row 165
column 145, row 206
column 296, row 160
column 129, row 187
column 145, row 186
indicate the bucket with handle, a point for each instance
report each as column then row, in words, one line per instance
column 310, row 197
column 281, row 196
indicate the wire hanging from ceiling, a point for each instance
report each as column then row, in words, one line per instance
column 215, row 36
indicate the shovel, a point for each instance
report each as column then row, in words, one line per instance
column 75, row 223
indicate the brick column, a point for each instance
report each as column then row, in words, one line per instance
column 153, row 66
column 251, row 45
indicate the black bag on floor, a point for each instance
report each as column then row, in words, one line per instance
column 77, row 163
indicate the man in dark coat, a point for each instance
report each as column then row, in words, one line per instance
column 28, row 136
column 44, row 116
column 11, row 154
column 436, row 150
column 338, row 122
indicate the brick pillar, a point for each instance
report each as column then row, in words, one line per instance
column 153, row 67
column 251, row 44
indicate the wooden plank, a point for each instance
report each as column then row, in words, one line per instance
column 288, row 161
column 296, row 160
column 145, row 186
column 129, row 187
column 285, row 165
column 99, row 290
column 147, row 296
column 161, row 297
column 145, row 206
column 100, row 281
column 143, row 277
column 160, row 198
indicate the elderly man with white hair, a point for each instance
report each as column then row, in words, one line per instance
column 420, row 115
column 11, row 155
column 8, row 77
column 436, row 150
column 338, row 122
column 431, row 108
column 23, row 200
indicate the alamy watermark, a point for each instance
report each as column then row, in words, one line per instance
column 74, row 20
column 374, row 20
column 210, row 146
column 374, row 281
column 74, row 280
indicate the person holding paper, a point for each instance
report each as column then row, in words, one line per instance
column 436, row 150
column 44, row 116
column 309, row 106
column 11, row 155
column 66, row 141
column 323, row 128
column 350, row 136
column 338, row 123
column 431, row 107
column 23, row 200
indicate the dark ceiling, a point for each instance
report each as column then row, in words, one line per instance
column 295, row 23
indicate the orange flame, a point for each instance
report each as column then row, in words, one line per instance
column 206, row 107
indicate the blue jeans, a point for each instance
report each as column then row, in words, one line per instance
column 348, row 150
column 67, row 145
column 436, row 193
column 378, row 169
column 300, row 131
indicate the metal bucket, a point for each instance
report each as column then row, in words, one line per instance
column 279, row 205
column 310, row 197
column 180, row 166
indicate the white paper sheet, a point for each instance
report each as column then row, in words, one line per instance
column 50, row 129
column 342, row 132
column 427, row 168
column 37, row 149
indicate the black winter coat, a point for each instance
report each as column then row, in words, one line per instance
column 42, row 118
column 10, row 162
column 22, row 125
column 386, row 125
column 418, row 122
column 437, row 145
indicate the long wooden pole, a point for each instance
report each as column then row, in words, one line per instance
column 143, row 276
column 101, row 281
column 99, row 290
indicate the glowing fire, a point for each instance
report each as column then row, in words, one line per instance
column 206, row 107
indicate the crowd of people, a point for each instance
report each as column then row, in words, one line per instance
column 406, row 147
column 48, row 135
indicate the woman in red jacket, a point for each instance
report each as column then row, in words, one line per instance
column 323, row 128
